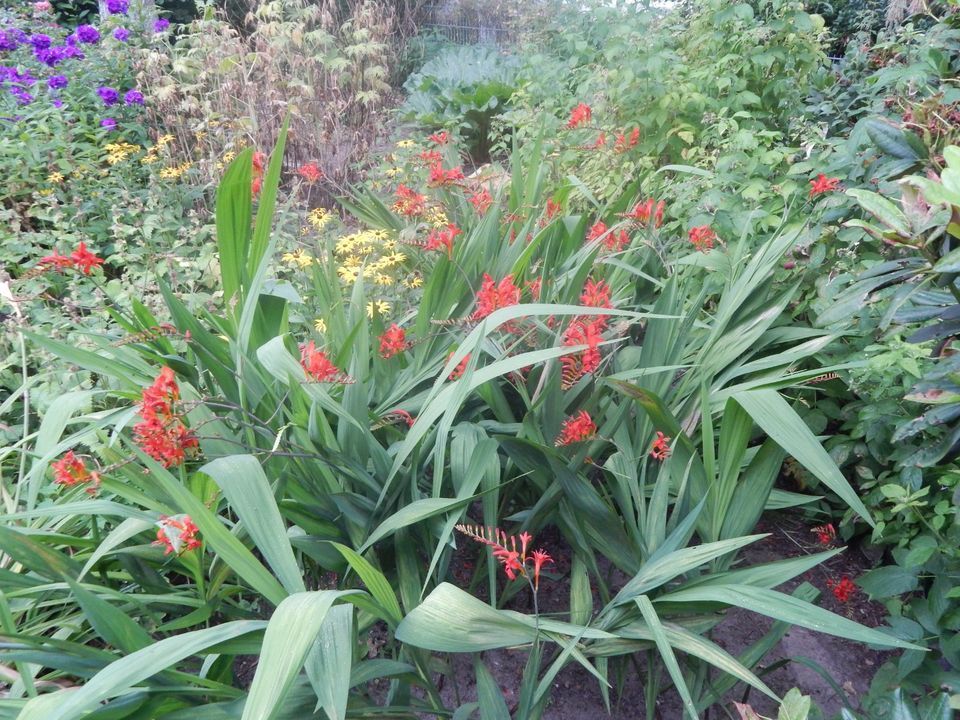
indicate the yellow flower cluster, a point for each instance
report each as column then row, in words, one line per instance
column 173, row 172
column 437, row 217
column 153, row 153
column 404, row 144
column 298, row 258
column 319, row 217
column 119, row 151
column 370, row 255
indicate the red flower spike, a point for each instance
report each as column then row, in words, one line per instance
column 409, row 202
column 177, row 535
column 823, row 184
column 84, row 260
column 316, row 363
column 596, row 294
column 461, row 367
column 441, row 178
column 842, row 590
column 493, row 296
column 600, row 142
column 481, row 201
column 440, row 138
column 56, row 262
column 540, row 559
column 71, row 470
column 162, row 433
column 576, row 365
column 256, row 181
column 642, row 212
column 393, row 341
column 576, row 428
column 702, row 238
column 580, row 115
column 534, row 286
column 310, row 172
column 826, row 534
column 661, row 447
column 443, row 238
column 596, row 231
column 430, row 157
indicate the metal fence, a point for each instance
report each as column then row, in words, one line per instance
column 466, row 26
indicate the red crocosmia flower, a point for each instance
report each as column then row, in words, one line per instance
column 703, row 237
column 823, row 184
column 316, row 363
column 842, row 590
column 600, row 142
column 71, row 470
column 481, row 201
column 177, row 534
column 442, row 238
column 661, row 447
column 540, row 559
column 409, row 202
column 393, row 341
column 596, row 231
column 553, row 209
column 493, row 296
column 257, row 177
column 440, row 138
column 642, row 212
column 576, row 365
column 576, row 428
column 624, row 142
column 580, row 115
column 162, row 434
column 616, row 241
column 310, row 172
column 826, row 534
column 403, row 415
column 56, row 262
column 431, row 157
column 534, row 286
column 440, row 177
column 461, row 367
column 596, row 294
column 84, row 260
column 510, row 551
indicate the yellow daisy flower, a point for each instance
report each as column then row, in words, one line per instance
column 320, row 325
column 297, row 258
column 380, row 307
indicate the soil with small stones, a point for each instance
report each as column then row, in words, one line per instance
column 576, row 695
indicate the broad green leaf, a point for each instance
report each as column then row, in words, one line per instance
column 116, row 627
column 291, row 633
column 377, row 585
column 249, row 493
column 779, row 606
column 795, row 706
column 413, row 513
column 330, row 662
column 233, row 221
column 884, row 210
column 785, row 427
column 489, row 697
column 119, row 676
column 666, row 653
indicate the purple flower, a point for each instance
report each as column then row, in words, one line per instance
column 55, row 82
column 71, row 40
column 160, row 24
column 109, row 123
column 117, row 7
column 108, row 95
column 52, row 56
column 121, row 34
column 133, row 97
column 73, row 52
column 22, row 96
column 8, row 41
column 40, row 41
column 88, row 34
column 57, row 103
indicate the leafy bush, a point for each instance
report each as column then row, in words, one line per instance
column 462, row 89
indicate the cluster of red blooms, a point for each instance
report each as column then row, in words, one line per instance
column 703, row 237
column 431, row 157
column 80, row 259
column 461, row 367
column 624, row 143
column 822, row 184
column 316, row 363
column 826, row 534
column 310, row 172
column 642, row 212
column 612, row 241
column 493, row 296
column 580, row 115
column 553, row 209
column 585, row 330
column 505, row 549
column 843, row 589
column 534, row 287
column 481, row 201
column 257, row 180
column 401, row 415
column 393, row 341
column 440, row 138
column 161, row 434
column 576, row 428
column 600, row 141
column 71, row 470
column 442, row 238
column 440, row 177
column 177, row 535
column 661, row 447
column 409, row 202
